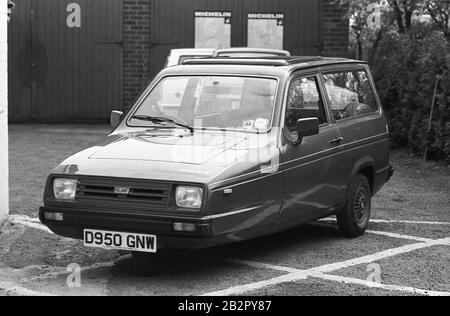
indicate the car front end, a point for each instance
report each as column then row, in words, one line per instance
column 179, row 171
column 185, row 202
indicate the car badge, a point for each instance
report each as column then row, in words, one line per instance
column 122, row 190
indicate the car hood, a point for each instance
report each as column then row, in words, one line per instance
column 163, row 147
column 204, row 157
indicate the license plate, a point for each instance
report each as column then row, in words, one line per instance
column 119, row 241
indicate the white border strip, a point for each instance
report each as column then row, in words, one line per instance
column 29, row 222
column 62, row 272
column 15, row 289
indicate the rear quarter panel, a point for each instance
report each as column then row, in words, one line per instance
column 366, row 146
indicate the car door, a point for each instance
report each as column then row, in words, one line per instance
column 356, row 110
column 314, row 184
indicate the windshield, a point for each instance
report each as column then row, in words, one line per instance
column 212, row 102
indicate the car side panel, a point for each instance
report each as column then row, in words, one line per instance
column 366, row 147
column 314, row 178
column 252, row 203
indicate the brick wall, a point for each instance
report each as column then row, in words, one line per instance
column 335, row 30
column 137, row 41
column 136, row 49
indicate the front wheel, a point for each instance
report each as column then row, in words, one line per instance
column 354, row 218
column 143, row 263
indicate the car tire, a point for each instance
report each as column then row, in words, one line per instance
column 354, row 218
column 143, row 264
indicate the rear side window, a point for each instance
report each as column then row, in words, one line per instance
column 304, row 101
column 350, row 94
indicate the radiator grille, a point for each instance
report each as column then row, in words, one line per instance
column 106, row 190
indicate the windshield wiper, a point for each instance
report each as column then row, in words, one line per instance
column 160, row 120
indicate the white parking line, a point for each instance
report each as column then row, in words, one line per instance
column 259, row 265
column 379, row 256
column 380, row 233
column 303, row 274
column 293, row 274
column 398, row 236
column 384, row 221
column 251, row 287
column 399, row 288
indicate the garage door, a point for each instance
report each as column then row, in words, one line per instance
column 65, row 60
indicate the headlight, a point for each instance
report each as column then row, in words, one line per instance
column 189, row 197
column 65, row 189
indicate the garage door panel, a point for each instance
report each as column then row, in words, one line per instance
column 75, row 60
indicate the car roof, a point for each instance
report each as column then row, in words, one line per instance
column 287, row 61
column 268, row 66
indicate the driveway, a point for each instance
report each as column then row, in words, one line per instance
column 405, row 252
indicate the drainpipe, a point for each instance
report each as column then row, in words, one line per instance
column 5, row 8
column 433, row 104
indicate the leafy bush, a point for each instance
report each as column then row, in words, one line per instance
column 405, row 67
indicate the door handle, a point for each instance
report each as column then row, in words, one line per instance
column 337, row 140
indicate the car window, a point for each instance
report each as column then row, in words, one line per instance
column 221, row 102
column 350, row 94
column 304, row 101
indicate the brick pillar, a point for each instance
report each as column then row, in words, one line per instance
column 4, row 209
column 335, row 30
column 136, row 49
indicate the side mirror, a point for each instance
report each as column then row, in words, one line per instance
column 307, row 127
column 116, row 118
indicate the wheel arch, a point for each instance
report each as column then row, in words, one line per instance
column 365, row 166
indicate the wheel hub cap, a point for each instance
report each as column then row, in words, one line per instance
column 360, row 205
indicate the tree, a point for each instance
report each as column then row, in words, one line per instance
column 439, row 11
column 367, row 25
column 406, row 50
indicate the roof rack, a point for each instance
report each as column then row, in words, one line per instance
column 259, row 61
column 227, row 52
column 303, row 59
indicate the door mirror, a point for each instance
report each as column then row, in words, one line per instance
column 116, row 118
column 307, row 127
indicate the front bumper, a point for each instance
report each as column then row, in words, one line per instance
column 212, row 230
column 76, row 221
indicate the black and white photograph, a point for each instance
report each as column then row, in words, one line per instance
column 224, row 154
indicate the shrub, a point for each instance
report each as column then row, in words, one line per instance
column 405, row 68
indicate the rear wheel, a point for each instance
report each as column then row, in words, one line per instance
column 143, row 263
column 354, row 218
